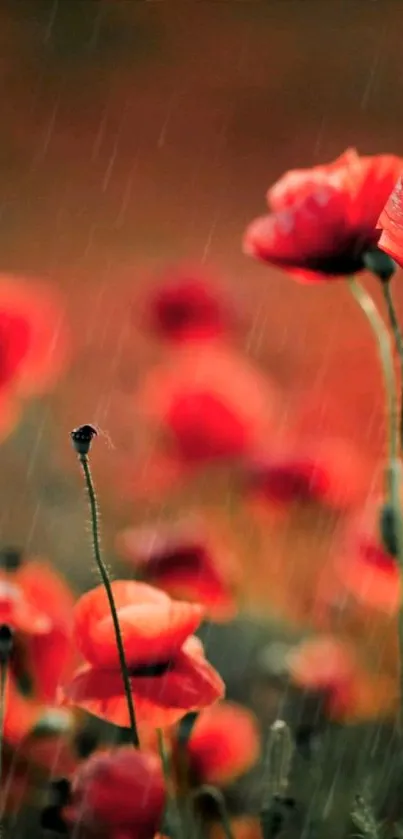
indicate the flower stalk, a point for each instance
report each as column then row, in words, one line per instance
column 6, row 646
column 398, row 338
column 82, row 438
column 393, row 470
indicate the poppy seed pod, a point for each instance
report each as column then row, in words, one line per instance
column 82, row 438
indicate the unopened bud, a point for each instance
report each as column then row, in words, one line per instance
column 380, row 264
column 11, row 559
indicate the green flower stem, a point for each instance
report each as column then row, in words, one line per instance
column 398, row 336
column 174, row 814
column 3, row 682
column 218, row 798
column 83, row 459
column 393, row 472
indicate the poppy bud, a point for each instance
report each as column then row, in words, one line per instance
column 380, row 264
column 82, row 438
column 53, row 722
column 388, row 529
column 6, row 642
column 11, row 559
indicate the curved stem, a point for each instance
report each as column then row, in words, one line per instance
column 393, row 472
column 3, row 682
column 174, row 811
column 109, row 593
column 218, row 798
column 382, row 337
column 398, row 336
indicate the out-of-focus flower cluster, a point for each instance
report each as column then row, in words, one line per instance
column 213, row 411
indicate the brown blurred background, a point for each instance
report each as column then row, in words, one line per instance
column 135, row 133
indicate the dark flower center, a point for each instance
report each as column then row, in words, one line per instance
column 286, row 483
column 179, row 313
column 176, row 560
column 151, row 671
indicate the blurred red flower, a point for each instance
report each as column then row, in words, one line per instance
column 362, row 569
column 40, row 734
column 205, row 427
column 223, row 745
column 184, row 564
column 169, row 673
column 327, row 472
column 391, row 224
column 33, row 343
column 351, row 693
column 325, row 665
column 118, row 791
column 323, row 220
column 212, row 404
column 38, row 605
column 185, row 307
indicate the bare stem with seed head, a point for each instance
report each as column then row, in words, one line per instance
column 82, row 438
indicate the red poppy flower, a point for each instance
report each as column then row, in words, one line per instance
column 32, row 336
column 169, row 674
column 322, row 220
column 328, row 472
column 118, row 791
column 362, row 569
column 51, row 655
column 51, row 749
column 212, row 404
column 182, row 563
column 205, row 427
column 33, row 345
column 186, row 308
column 223, row 745
column 38, row 606
column 391, row 224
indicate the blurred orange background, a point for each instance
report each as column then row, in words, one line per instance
column 140, row 133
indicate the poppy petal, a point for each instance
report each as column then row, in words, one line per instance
column 153, row 626
column 224, row 743
column 391, row 224
column 323, row 220
column 159, row 702
column 37, row 314
column 19, row 612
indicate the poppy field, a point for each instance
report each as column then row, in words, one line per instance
column 201, row 420
column 127, row 652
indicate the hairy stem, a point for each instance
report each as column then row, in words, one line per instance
column 109, row 593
